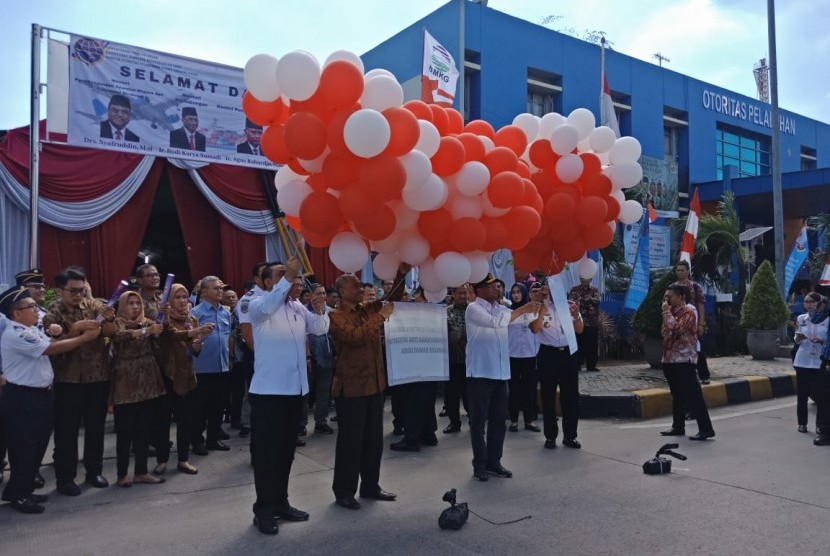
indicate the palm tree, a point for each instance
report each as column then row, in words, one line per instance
column 821, row 224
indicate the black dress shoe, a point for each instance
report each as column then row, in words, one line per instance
column 39, row 481
column 216, row 445
column 499, row 471
column 571, row 443
column 550, row 444
column 69, row 489
column 348, row 502
column 822, row 440
column 323, row 428
column 802, row 428
column 291, row 513
column 244, row 432
column 267, row 524
column 481, row 475
column 702, row 435
column 222, row 435
column 404, row 446
column 452, row 428
column 594, row 370
column 38, row 498
column 380, row 494
column 200, row 450
column 98, row 481
column 532, row 427
column 27, row 506
column 673, row 432
column 299, row 443
column 429, row 441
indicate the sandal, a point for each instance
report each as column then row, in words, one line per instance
column 160, row 469
column 186, row 467
column 148, row 479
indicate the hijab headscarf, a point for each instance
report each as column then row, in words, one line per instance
column 173, row 314
column 122, row 308
column 523, row 300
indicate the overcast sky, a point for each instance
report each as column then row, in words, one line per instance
column 717, row 41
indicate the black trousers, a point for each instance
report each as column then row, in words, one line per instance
column 132, row 432
column 274, row 422
column 27, row 415
column 488, row 408
column 455, row 392
column 557, row 367
column 588, row 344
column 420, row 423
column 238, row 379
column 821, row 394
column 77, row 404
column 523, row 379
column 359, row 444
column 702, row 365
column 805, row 380
column 162, row 419
column 321, row 380
column 686, row 396
column 209, row 404
column 398, row 407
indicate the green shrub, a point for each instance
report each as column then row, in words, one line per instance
column 764, row 308
column 649, row 317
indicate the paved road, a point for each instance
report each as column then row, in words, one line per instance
column 758, row 488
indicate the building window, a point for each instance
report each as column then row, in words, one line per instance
column 808, row 158
column 748, row 152
column 472, row 86
column 543, row 92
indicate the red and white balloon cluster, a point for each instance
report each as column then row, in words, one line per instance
column 365, row 171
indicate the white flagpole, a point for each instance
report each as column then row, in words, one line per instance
column 601, row 75
column 34, row 149
column 461, row 47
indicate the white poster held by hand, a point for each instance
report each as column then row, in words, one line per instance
column 417, row 347
column 563, row 312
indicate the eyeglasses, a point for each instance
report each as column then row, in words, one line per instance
column 75, row 291
column 29, row 306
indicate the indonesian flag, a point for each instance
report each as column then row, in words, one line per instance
column 607, row 115
column 687, row 249
column 652, row 214
column 825, row 274
column 439, row 76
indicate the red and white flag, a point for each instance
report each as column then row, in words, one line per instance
column 439, row 76
column 687, row 248
column 825, row 274
column 652, row 214
column 608, row 117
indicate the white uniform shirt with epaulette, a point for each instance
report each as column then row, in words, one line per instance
column 243, row 311
column 24, row 364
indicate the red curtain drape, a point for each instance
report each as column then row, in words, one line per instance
column 241, row 187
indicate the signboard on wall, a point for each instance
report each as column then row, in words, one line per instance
column 659, row 185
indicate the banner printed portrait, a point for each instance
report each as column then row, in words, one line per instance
column 129, row 99
column 660, row 185
column 417, row 348
column 659, row 245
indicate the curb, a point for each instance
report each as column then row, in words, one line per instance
column 657, row 402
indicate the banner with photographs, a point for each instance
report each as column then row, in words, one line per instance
column 659, row 186
column 130, row 99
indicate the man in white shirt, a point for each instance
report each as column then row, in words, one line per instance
column 276, row 394
column 488, row 372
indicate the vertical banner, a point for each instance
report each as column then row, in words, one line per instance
column 129, row 99
column 417, row 344
column 798, row 255
column 638, row 288
column 439, row 75
column 563, row 311
column 660, row 185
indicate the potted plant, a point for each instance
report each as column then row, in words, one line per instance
column 763, row 314
column 649, row 319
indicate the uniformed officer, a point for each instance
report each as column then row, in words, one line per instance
column 33, row 280
column 26, row 403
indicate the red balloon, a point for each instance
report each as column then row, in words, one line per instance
column 305, row 135
column 522, row 221
column 613, row 208
column 357, row 204
column 501, row 159
column 320, row 213
column 598, row 236
column 316, row 104
column 420, row 109
column 295, row 165
column 529, row 192
column 562, row 232
column 543, row 183
column 317, row 182
column 473, row 146
column 434, row 225
column 570, row 190
column 405, row 131
column 334, row 132
column 263, row 113
column 560, row 208
column 505, row 189
column 512, row 137
column 293, row 222
column 591, row 164
column 572, row 250
column 384, row 177
column 455, row 120
column 450, row 157
column 341, row 170
column 598, row 185
column 439, row 119
column 379, row 226
column 524, row 260
column 495, row 233
column 341, row 84
column 438, row 247
column 542, row 155
column 468, row 234
column 590, row 211
column 273, row 144
column 316, row 240
column 523, row 169
column 537, row 204
column 480, row 127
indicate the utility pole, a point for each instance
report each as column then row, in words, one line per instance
column 660, row 58
column 775, row 152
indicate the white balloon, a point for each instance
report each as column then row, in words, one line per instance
column 625, row 149
column 564, row 139
column 405, row 217
column 427, row 278
column 630, row 212
column 583, row 120
column 587, row 268
column 413, row 249
column 261, row 77
column 625, row 174
column 386, row 266
column 429, row 196
column 473, row 178
column 584, row 146
column 291, row 195
column 569, row 168
column 490, row 210
column 284, row 175
column 436, row 296
column 366, row 133
column 390, row 244
column 346, row 55
column 602, row 139
column 452, row 268
column 465, row 207
column 619, row 196
column 315, row 165
column 549, row 122
column 418, row 168
column 487, row 142
column 429, row 139
column 479, row 265
column 298, row 74
column 381, row 92
column 375, row 72
column 529, row 124
column 348, row 252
